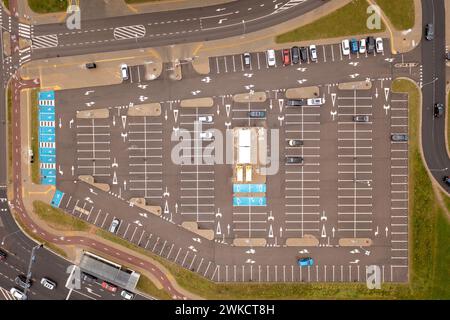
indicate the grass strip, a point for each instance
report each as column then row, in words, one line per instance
column 399, row 12
column 57, row 219
column 47, row 6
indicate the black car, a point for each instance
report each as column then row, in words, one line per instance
column 296, row 102
column 3, row 255
column 429, row 32
column 88, row 278
column 247, row 59
column 91, row 65
column 438, row 110
column 293, row 160
column 21, row 280
column 446, row 180
column 303, row 54
column 295, row 53
column 370, row 44
column 257, row 114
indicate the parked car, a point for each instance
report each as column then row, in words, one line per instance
column 3, row 255
column 271, row 61
column 438, row 110
column 361, row 118
column 21, row 280
column 313, row 52
column 124, row 71
column 303, row 54
column 399, row 137
column 206, row 119
column 295, row 142
column 257, row 114
column 286, row 57
column 114, row 225
column 370, row 42
column 446, row 180
column 354, row 45
column 305, row 262
column 247, row 59
column 429, row 32
column 314, row 101
column 362, row 46
column 47, row 283
column 126, row 295
column 19, row 295
column 379, row 45
column 294, row 160
column 91, row 65
column 296, row 102
column 109, row 287
column 447, row 56
column 345, row 47
column 206, row 135
column 88, row 278
column 295, row 53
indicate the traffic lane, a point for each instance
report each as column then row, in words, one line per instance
column 166, row 39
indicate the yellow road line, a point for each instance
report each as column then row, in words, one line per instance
column 51, row 188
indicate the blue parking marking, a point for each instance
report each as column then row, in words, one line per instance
column 47, row 137
column 48, row 181
column 47, row 151
column 47, row 95
column 57, row 197
column 47, row 159
column 249, row 201
column 48, row 172
column 47, row 109
column 249, row 188
column 46, row 117
column 46, row 130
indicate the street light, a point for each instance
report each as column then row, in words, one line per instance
column 432, row 81
column 3, row 240
column 30, row 264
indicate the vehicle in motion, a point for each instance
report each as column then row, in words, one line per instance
column 114, row 225
column 271, row 61
column 305, row 262
column 21, row 280
column 247, row 59
column 19, row 295
column 257, row 114
column 399, row 137
column 314, row 101
column 370, row 41
column 354, row 45
column 379, row 45
column 206, row 119
column 361, row 118
column 3, row 255
column 296, row 102
column 313, row 52
column 429, row 31
column 91, row 65
column 294, row 160
column 446, row 180
column 206, row 135
column 109, row 287
column 286, row 57
column 295, row 53
column 47, row 283
column 303, row 54
column 126, row 295
column 124, row 72
column 345, row 47
column 295, row 142
column 438, row 110
column 362, row 46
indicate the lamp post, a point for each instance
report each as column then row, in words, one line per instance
column 30, row 264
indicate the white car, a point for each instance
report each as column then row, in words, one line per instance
column 362, row 46
column 206, row 135
column 19, row 295
column 379, row 45
column 207, row 119
column 345, row 47
column 315, row 101
column 313, row 52
column 126, row 295
column 114, row 225
column 124, row 71
column 49, row 284
column 271, row 58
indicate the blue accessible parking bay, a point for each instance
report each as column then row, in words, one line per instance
column 249, row 201
column 57, row 197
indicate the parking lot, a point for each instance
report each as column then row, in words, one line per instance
column 338, row 193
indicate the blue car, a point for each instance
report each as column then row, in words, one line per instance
column 354, row 45
column 305, row 262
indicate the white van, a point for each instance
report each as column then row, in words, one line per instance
column 49, row 284
column 114, row 225
column 124, row 71
column 271, row 58
column 315, row 101
column 19, row 295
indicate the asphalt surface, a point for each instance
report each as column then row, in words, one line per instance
column 434, row 91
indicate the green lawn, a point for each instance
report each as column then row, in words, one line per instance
column 448, row 121
column 6, row 2
column 348, row 20
column 48, row 6
column 57, row 219
column 400, row 12
column 34, row 135
column 146, row 286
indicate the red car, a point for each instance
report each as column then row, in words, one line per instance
column 286, row 57
column 2, row 255
column 108, row 286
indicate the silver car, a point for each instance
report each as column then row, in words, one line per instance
column 114, row 225
column 399, row 137
column 361, row 118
